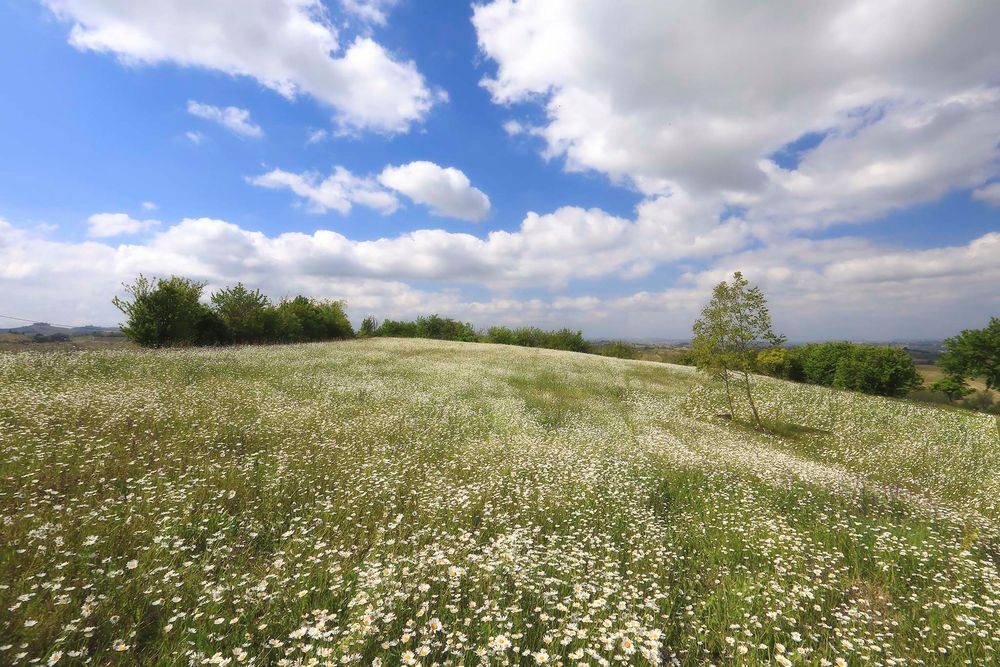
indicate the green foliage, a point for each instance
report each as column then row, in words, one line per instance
column 617, row 348
column 774, row 361
column 871, row 369
column 561, row 339
column 164, row 313
column 952, row 386
column 369, row 326
column 975, row 353
column 726, row 334
column 878, row 370
column 316, row 320
column 243, row 312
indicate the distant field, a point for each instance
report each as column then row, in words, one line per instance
column 14, row 342
column 931, row 372
column 391, row 501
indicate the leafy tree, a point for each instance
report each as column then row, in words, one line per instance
column 242, row 311
column 164, row 312
column 975, row 353
column 952, row 386
column 369, row 327
column 819, row 361
column 774, row 361
column 879, row 370
column 725, row 337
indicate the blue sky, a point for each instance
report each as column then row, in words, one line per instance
column 513, row 162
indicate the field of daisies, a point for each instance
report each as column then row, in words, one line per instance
column 385, row 502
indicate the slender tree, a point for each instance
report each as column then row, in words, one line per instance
column 726, row 335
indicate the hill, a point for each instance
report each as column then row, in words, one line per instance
column 46, row 329
column 392, row 501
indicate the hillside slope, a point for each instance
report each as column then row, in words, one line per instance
column 425, row 502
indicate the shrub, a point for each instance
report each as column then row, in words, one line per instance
column 243, row 312
column 167, row 312
column 872, row 369
column 773, row 361
column 617, row 348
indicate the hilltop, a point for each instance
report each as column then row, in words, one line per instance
column 421, row 502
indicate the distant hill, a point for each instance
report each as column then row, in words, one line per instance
column 46, row 329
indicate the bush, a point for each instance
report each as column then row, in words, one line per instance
column 618, row 349
column 243, row 312
column 167, row 312
column 562, row 339
column 871, row 369
column 170, row 313
column 774, row 361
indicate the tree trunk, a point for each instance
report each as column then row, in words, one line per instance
column 729, row 393
column 753, row 407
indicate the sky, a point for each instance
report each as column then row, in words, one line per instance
column 555, row 163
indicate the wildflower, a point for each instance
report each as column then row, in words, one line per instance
column 132, row 564
column 120, row 646
column 408, row 658
column 541, row 656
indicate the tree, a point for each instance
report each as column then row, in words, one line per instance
column 876, row 369
column 975, row 353
column 725, row 337
column 369, row 327
column 243, row 312
column 952, row 386
column 164, row 312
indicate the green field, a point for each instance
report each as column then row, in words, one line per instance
column 387, row 501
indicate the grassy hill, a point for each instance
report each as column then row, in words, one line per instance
column 385, row 501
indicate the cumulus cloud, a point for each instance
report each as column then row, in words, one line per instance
column 338, row 191
column 699, row 95
column 289, row 46
column 103, row 225
column 233, row 119
column 446, row 190
column 845, row 287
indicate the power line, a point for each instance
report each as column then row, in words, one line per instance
column 51, row 324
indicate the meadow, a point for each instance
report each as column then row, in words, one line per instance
column 385, row 501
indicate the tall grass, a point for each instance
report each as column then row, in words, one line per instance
column 418, row 502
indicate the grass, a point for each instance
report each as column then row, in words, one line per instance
column 420, row 502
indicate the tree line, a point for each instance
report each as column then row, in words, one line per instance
column 734, row 338
column 445, row 328
column 168, row 312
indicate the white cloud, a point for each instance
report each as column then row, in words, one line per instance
column 817, row 289
column 102, row 225
column 290, row 46
column 446, row 190
column 232, row 118
column 195, row 137
column 695, row 96
column 339, row 191
column 370, row 11
column 316, row 136
column 989, row 194
column 149, row 205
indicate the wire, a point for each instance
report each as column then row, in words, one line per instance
column 21, row 319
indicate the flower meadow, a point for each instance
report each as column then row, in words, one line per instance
column 383, row 502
